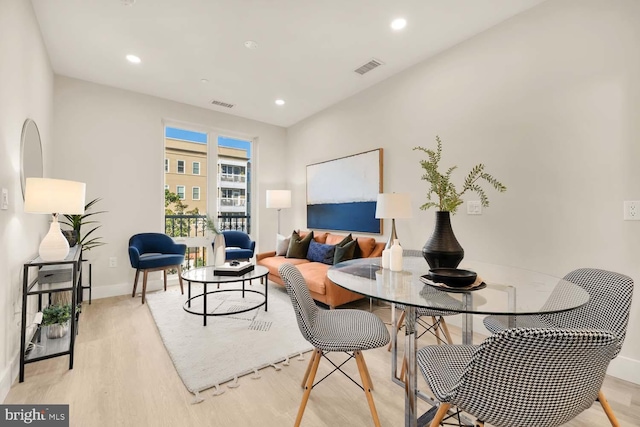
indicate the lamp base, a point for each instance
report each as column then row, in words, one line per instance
column 393, row 235
column 54, row 246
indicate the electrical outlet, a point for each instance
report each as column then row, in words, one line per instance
column 631, row 211
column 4, row 199
column 113, row 262
column 474, row 207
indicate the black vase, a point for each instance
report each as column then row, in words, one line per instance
column 442, row 249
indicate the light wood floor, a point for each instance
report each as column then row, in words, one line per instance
column 123, row 376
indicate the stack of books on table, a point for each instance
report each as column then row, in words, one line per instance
column 233, row 268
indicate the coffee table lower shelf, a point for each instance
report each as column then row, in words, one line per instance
column 204, row 314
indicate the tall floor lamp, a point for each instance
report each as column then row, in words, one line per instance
column 278, row 199
column 392, row 206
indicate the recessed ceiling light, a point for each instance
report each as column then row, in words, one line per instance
column 204, row 81
column 398, row 24
column 127, row 2
column 134, row 59
column 250, row 44
column 279, row 101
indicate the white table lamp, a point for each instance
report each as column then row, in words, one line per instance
column 54, row 196
column 392, row 206
column 278, row 199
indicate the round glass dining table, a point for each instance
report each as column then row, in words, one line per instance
column 498, row 290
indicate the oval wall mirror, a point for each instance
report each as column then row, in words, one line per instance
column 30, row 153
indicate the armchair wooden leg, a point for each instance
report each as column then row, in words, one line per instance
column 607, row 409
column 144, row 284
column 164, row 274
column 306, row 374
column 135, row 283
column 180, row 279
column 309, row 386
column 366, row 383
column 442, row 411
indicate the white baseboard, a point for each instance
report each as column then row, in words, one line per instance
column 126, row 288
column 9, row 375
column 625, row 368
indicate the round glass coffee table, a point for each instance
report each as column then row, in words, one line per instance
column 206, row 276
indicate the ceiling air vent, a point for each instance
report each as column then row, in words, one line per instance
column 374, row 63
column 222, row 104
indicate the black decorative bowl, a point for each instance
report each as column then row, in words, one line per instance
column 453, row 277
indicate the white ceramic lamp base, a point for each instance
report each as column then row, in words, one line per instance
column 54, row 246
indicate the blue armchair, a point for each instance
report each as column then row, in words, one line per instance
column 154, row 252
column 238, row 245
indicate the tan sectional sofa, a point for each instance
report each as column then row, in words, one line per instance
column 315, row 273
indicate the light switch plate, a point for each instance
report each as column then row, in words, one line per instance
column 4, row 199
column 474, row 207
column 631, row 211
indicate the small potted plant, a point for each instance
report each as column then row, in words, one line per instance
column 443, row 249
column 56, row 318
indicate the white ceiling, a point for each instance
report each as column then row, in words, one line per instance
column 307, row 49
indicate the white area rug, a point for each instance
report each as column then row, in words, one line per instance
column 229, row 346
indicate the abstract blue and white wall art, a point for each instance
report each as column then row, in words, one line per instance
column 342, row 193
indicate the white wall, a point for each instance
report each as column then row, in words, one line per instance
column 26, row 91
column 113, row 140
column 550, row 101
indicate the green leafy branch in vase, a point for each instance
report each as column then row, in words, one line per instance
column 448, row 198
column 86, row 241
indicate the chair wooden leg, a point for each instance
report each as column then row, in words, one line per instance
column 144, row 284
column 362, row 367
column 164, row 274
column 436, row 327
column 309, row 386
column 445, row 329
column 607, row 409
column 403, row 369
column 306, row 374
column 478, row 423
column 135, row 283
column 398, row 326
column 442, row 411
column 180, row 279
column 366, row 369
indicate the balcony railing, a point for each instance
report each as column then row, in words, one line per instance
column 230, row 177
column 230, row 201
column 196, row 225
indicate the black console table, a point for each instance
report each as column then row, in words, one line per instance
column 39, row 347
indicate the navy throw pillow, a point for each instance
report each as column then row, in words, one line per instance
column 319, row 252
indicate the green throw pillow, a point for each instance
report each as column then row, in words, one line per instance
column 345, row 252
column 298, row 247
column 344, row 241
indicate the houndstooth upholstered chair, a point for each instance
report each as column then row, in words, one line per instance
column 607, row 309
column 349, row 331
column 520, row 377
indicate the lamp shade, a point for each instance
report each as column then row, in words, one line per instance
column 393, row 205
column 278, row 199
column 49, row 196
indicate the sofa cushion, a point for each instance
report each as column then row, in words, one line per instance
column 345, row 252
column 314, row 274
column 336, row 239
column 298, row 246
column 365, row 247
column 274, row 262
column 282, row 244
column 321, row 253
column 318, row 237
